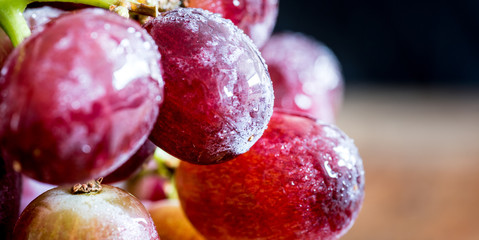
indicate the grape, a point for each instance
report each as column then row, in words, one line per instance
column 149, row 188
column 306, row 75
column 302, row 180
column 170, row 221
column 110, row 213
column 255, row 17
column 78, row 98
column 10, row 190
column 133, row 164
column 218, row 94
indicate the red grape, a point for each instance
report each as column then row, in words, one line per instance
column 301, row 180
column 133, row 164
column 10, row 190
column 78, row 98
column 110, row 213
column 218, row 94
column 306, row 75
column 255, row 17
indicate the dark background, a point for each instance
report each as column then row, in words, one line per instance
column 414, row 43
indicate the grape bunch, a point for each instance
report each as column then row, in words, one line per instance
column 172, row 100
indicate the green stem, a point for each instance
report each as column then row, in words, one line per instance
column 14, row 24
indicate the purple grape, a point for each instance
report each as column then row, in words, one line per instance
column 78, row 98
column 306, row 75
column 218, row 94
column 10, row 191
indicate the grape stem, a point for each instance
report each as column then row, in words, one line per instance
column 15, row 26
column 89, row 187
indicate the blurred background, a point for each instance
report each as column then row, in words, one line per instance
column 411, row 42
column 412, row 105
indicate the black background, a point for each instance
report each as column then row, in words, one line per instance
column 415, row 43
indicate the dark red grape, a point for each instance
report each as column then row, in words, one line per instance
column 218, row 94
column 306, row 75
column 10, row 190
column 255, row 17
column 110, row 213
column 133, row 164
column 301, row 180
column 78, row 98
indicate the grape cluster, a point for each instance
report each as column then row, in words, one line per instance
column 177, row 104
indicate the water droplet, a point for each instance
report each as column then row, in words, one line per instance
column 329, row 170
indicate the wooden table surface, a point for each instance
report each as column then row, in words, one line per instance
column 421, row 155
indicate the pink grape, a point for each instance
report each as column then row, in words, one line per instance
column 256, row 18
column 302, row 180
column 78, row 98
column 218, row 94
column 306, row 75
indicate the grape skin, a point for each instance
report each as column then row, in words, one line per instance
column 218, row 94
column 83, row 101
column 303, row 179
column 306, row 75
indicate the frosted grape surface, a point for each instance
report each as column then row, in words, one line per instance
column 218, row 93
column 302, row 180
